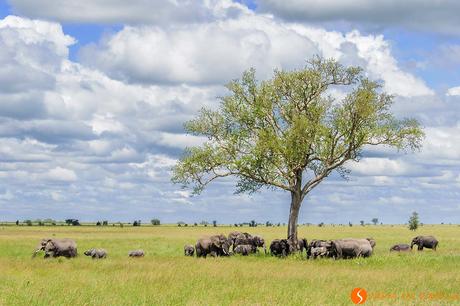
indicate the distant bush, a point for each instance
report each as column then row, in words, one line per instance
column 155, row 221
column 214, row 223
column 74, row 222
column 105, row 223
column 413, row 221
column 321, row 224
column 28, row 222
column 98, row 223
column 137, row 223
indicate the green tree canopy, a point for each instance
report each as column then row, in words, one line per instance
column 289, row 133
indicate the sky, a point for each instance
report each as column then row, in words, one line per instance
column 94, row 94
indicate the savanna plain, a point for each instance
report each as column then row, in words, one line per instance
column 166, row 277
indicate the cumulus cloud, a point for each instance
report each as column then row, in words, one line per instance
column 98, row 139
column 210, row 53
column 132, row 12
column 454, row 91
column 430, row 16
column 216, row 52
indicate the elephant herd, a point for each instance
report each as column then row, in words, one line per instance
column 245, row 244
column 68, row 248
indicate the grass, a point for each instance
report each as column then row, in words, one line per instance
column 166, row 277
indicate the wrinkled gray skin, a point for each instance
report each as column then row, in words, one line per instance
column 428, row 242
column 316, row 252
column 315, row 243
column 238, row 238
column 57, row 247
column 400, row 248
column 96, row 253
column 232, row 238
column 280, row 247
column 217, row 245
column 136, row 253
column 299, row 246
column 351, row 248
column 245, row 249
column 189, row 250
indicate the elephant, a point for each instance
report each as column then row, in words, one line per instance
column 136, row 253
column 319, row 252
column 232, row 238
column 189, row 250
column 57, row 247
column 351, row 248
column 322, row 245
column 259, row 241
column 217, row 245
column 280, row 247
column 300, row 245
column 245, row 249
column 429, row 242
column 96, row 253
column 248, row 239
column 402, row 247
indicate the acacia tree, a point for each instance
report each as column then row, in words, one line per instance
column 288, row 133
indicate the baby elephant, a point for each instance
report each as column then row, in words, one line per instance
column 400, row 248
column 136, row 253
column 96, row 253
column 245, row 249
column 189, row 250
column 319, row 252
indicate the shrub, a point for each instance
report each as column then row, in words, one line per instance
column 155, row 221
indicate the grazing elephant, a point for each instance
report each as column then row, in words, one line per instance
column 259, row 241
column 372, row 242
column 429, row 242
column 280, row 247
column 57, row 247
column 322, row 245
column 351, row 248
column 136, row 253
column 247, row 239
column 232, row 238
column 217, row 245
column 96, row 253
column 300, row 245
column 189, row 250
column 316, row 252
column 245, row 249
column 402, row 247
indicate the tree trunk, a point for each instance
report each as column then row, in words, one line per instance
column 296, row 201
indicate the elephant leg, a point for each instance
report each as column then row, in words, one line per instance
column 420, row 248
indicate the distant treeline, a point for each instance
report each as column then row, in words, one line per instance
column 157, row 222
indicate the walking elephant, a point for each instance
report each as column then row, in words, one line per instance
column 280, row 247
column 57, row 247
column 96, row 253
column 402, row 247
column 351, row 248
column 217, row 245
column 429, row 242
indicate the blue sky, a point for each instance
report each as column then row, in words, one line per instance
column 93, row 97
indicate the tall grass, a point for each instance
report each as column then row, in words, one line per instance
column 166, row 277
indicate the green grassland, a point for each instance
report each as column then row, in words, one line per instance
column 166, row 277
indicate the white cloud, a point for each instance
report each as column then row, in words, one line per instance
column 375, row 166
column 61, row 174
column 216, row 52
column 454, row 91
column 109, row 145
column 425, row 15
column 210, row 53
column 132, row 12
